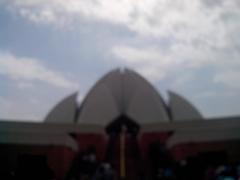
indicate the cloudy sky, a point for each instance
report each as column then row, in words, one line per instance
column 49, row 49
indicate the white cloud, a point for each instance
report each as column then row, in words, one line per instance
column 29, row 69
column 179, row 61
column 214, row 94
column 230, row 79
column 24, row 85
column 202, row 32
column 149, row 62
column 18, row 111
column 184, row 20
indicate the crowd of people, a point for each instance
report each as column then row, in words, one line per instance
column 201, row 166
column 86, row 167
column 183, row 171
column 160, row 166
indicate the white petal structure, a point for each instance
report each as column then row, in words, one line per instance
column 99, row 108
column 123, row 92
column 64, row 111
column 181, row 109
column 101, row 104
column 144, row 103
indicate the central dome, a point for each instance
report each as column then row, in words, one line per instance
column 123, row 92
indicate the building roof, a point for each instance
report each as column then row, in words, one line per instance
column 123, row 92
column 43, row 139
column 181, row 109
column 64, row 111
column 45, row 134
column 211, row 130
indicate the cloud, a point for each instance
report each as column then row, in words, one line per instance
column 229, row 79
column 13, row 110
column 29, row 69
column 171, row 38
column 184, row 20
column 200, row 32
column 216, row 95
column 149, row 62
column 24, row 85
column 157, row 64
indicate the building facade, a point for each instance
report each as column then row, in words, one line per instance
column 128, row 123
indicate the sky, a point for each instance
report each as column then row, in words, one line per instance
column 50, row 49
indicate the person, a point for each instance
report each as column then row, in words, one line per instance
column 104, row 172
column 84, row 165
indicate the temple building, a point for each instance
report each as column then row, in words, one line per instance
column 124, row 118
